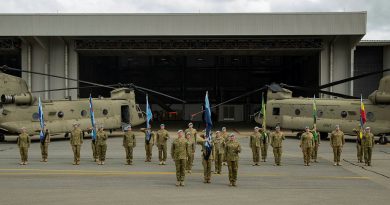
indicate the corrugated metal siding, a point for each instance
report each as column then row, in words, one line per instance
column 343, row 23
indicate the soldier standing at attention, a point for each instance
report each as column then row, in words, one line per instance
column 45, row 145
column 225, row 136
column 194, row 135
column 162, row 138
column 316, row 143
column 264, row 143
column 359, row 146
column 368, row 142
column 254, row 144
column 219, row 151
column 93, row 146
column 207, row 158
column 149, row 142
column 179, row 154
column 232, row 150
column 277, row 138
column 306, row 144
column 337, row 142
column 101, row 145
column 190, row 152
column 129, row 143
column 23, row 142
column 76, row 140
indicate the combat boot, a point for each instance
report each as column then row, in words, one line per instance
column 178, row 183
column 182, row 183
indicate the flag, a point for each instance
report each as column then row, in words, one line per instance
column 263, row 111
column 149, row 117
column 92, row 115
column 41, row 120
column 363, row 117
column 314, row 110
column 209, row 125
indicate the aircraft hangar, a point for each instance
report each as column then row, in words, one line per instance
column 184, row 55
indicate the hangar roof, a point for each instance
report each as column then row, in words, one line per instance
column 184, row 24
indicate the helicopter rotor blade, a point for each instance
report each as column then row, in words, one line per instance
column 318, row 90
column 145, row 90
column 352, row 78
column 70, row 88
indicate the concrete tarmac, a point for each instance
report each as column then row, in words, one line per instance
column 60, row 182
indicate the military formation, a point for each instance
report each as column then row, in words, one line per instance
column 223, row 149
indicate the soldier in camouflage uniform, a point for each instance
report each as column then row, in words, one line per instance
column 337, row 142
column 179, row 150
column 93, row 147
column 101, row 145
column 149, row 142
column 162, row 138
column 194, row 136
column 368, row 142
column 277, row 138
column 129, row 143
column 232, row 149
column 76, row 140
column 23, row 142
column 316, row 143
column 219, row 152
column 359, row 146
column 306, row 144
column 190, row 152
column 45, row 145
column 225, row 136
column 254, row 144
column 264, row 141
column 207, row 158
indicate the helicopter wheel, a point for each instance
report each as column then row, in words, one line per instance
column 2, row 137
column 66, row 135
column 324, row 135
column 299, row 135
column 110, row 131
column 383, row 139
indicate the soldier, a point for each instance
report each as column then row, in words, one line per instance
column 45, row 145
column 337, row 142
column 190, row 152
column 162, row 138
column 368, row 142
column 101, row 145
column 149, row 142
column 219, row 151
column 179, row 150
column 264, row 143
column 76, row 140
column 316, row 143
column 194, row 135
column 23, row 142
column 207, row 157
column 254, row 144
column 129, row 143
column 359, row 147
column 277, row 138
column 232, row 149
column 225, row 136
column 93, row 146
column 306, row 144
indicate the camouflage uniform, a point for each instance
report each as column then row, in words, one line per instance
column 190, row 154
column 94, row 152
column 276, row 143
column 149, row 145
column 129, row 143
column 232, row 149
column 76, row 140
column 179, row 150
column 337, row 141
column 23, row 142
column 254, row 144
column 162, row 138
column 45, row 146
column 306, row 144
column 264, row 144
column 219, row 152
column 101, row 145
column 368, row 142
column 207, row 162
column 225, row 136
column 194, row 136
column 316, row 144
column 359, row 146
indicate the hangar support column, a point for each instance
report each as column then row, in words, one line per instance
column 386, row 59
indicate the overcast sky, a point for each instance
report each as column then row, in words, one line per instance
column 378, row 27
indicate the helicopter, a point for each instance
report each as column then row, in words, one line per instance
column 19, row 108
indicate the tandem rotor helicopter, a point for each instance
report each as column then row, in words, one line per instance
column 18, row 107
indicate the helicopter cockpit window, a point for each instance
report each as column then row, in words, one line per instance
column 105, row 111
column 83, row 113
column 320, row 113
column 297, row 112
column 35, row 116
column 60, row 114
column 276, row 111
column 344, row 114
column 371, row 116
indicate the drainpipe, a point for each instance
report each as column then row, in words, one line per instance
column 352, row 70
column 29, row 64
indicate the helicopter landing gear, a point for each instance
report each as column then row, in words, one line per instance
column 66, row 135
column 299, row 135
column 324, row 135
column 383, row 139
column 2, row 137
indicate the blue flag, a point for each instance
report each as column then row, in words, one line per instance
column 92, row 115
column 149, row 117
column 209, row 125
column 41, row 120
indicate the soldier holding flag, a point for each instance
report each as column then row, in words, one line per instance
column 149, row 135
column 44, row 136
